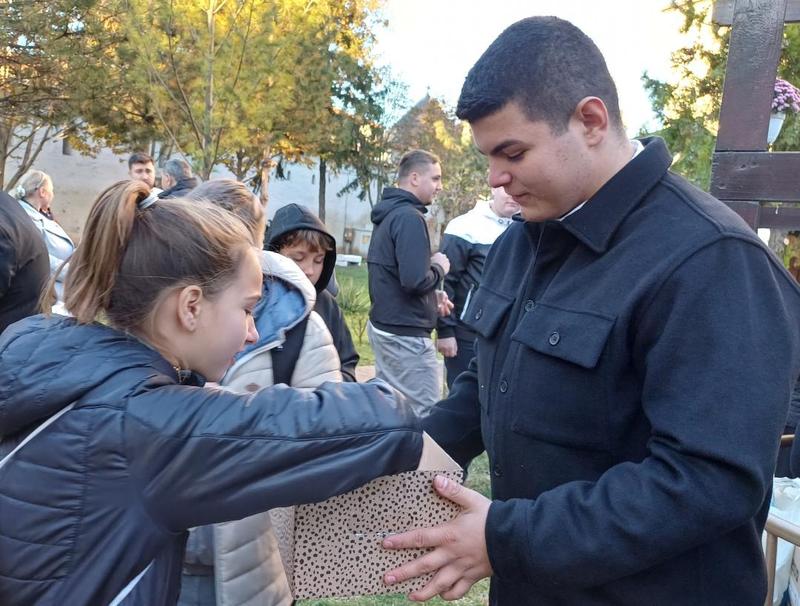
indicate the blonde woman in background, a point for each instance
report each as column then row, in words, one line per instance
column 35, row 194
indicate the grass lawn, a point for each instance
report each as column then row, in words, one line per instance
column 354, row 300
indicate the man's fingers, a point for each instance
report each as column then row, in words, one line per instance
column 442, row 582
column 430, row 562
column 417, row 539
column 457, row 591
column 461, row 495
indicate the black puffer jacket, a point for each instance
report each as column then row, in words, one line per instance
column 115, row 482
column 402, row 279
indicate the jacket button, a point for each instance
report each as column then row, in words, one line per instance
column 554, row 338
column 497, row 470
column 478, row 314
column 503, row 386
column 529, row 305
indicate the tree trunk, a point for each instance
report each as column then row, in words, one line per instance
column 776, row 241
column 240, row 168
column 5, row 140
column 266, row 166
column 323, row 169
column 208, row 121
column 32, row 151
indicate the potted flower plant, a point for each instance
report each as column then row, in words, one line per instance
column 785, row 97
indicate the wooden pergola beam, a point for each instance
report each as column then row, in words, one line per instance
column 753, row 56
column 743, row 173
column 723, row 12
column 762, row 176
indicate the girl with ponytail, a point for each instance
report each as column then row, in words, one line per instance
column 111, row 446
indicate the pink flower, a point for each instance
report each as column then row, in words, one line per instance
column 785, row 96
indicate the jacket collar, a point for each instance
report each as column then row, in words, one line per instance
column 484, row 209
column 595, row 224
column 32, row 212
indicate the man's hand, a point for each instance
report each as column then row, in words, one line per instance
column 443, row 304
column 441, row 260
column 448, row 347
column 459, row 558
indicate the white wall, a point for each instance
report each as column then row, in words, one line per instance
column 78, row 179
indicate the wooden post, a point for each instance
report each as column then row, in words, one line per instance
column 743, row 173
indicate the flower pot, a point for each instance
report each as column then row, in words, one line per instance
column 775, row 124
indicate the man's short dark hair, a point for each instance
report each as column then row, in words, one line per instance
column 177, row 169
column 546, row 65
column 139, row 158
column 413, row 160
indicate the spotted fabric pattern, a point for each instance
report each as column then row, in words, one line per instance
column 333, row 548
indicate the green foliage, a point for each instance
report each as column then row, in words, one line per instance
column 55, row 76
column 688, row 107
column 237, row 82
column 431, row 126
column 353, row 300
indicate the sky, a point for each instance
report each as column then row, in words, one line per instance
column 431, row 44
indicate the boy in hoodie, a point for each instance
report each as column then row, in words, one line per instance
column 297, row 233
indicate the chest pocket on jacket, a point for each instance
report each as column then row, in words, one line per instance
column 485, row 311
column 558, row 370
column 575, row 336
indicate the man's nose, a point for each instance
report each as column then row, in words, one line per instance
column 498, row 177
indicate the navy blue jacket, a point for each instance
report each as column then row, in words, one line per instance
column 633, row 369
column 402, row 279
column 115, row 482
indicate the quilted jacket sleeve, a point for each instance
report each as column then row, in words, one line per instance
column 203, row 455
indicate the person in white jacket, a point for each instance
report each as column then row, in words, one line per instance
column 237, row 563
column 35, row 195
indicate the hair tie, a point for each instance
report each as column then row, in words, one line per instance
column 148, row 201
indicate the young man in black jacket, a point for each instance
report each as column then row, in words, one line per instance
column 297, row 233
column 637, row 347
column 403, row 282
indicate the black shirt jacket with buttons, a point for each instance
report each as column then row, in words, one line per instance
column 633, row 370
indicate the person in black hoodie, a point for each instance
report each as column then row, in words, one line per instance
column 403, row 283
column 297, row 233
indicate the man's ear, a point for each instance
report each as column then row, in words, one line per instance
column 190, row 306
column 592, row 114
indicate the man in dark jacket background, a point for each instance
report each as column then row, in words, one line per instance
column 24, row 263
column 403, row 280
column 177, row 179
column 631, row 442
